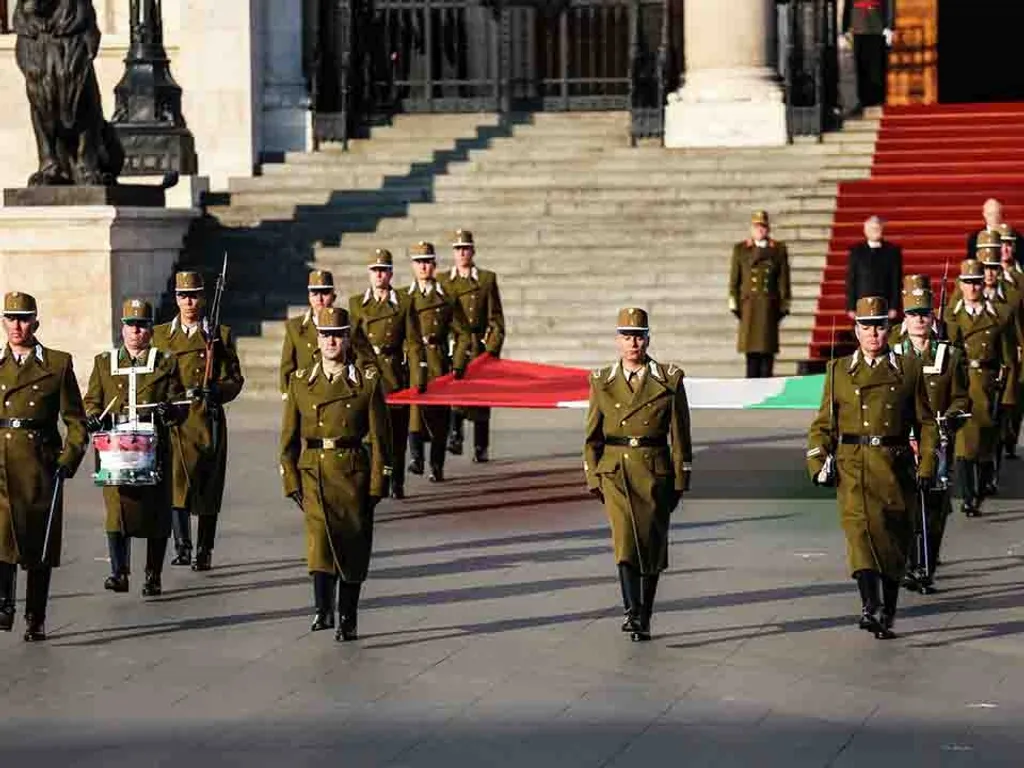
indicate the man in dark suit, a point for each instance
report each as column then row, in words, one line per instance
column 870, row 24
column 992, row 212
column 874, row 268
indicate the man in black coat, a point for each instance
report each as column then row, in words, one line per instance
column 870, row 23
column 874, row 268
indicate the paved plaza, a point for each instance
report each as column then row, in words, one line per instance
column 490, row 629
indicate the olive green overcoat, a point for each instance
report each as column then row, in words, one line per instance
column 336, row 483
column 445, row 348
column 43, row 388
column 988, row 342
column 200, row 443
column 641, row 485
column 876, row 489
column 759, row 291
column 142, row 512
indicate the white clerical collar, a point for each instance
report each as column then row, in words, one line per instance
column 874, row 243
column 761, row 243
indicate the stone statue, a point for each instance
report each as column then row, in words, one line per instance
column 57, row 42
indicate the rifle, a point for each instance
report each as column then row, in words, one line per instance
column 940, row 330
column 827, row 475
column 214, row 335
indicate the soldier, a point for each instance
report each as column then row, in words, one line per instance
column 759, row 295
column 212, row 376
column 873, row 401
column 300, row 340
column 870, row 23
column 476, row 290
column 637, row 459
column 945, row 376
column 385, row 319
column 136, row 369
column 1006, row 298
column 39, row 387
column 445, row 348
column 1013, row 280
column 327, row 471
column 986, row 338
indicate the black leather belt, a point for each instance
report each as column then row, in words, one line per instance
column 333, row 443
column 989, row 365
column 36, row 424
column 637, row 442
column 874, row 440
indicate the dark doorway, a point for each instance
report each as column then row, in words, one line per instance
column 980, row 50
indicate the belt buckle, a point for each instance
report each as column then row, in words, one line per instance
column 328, row 443
column 634, row 442
column 875, row 441
column 976, row 364
column 16, row 423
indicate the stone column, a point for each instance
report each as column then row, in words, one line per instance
column 731, row 96
column 285, row 102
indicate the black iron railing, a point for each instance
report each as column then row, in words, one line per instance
column 812, row 67
column 367, row 60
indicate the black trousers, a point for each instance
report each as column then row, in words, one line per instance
column 119, row 547
column 399, row 437
column 206, row 532
column 872, row 60
column 37, row 589
column 760, row 365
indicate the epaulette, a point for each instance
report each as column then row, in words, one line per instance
column 673, row 369
column 597, row 373
column 370, row 372
column 299, row 373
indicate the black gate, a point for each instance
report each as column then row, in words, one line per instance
column 370, row 59
column 812, row 67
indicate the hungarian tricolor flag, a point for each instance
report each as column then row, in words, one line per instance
column 496, row 383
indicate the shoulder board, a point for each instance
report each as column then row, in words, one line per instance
column 598, row 372
column 673, row 369
column 300, row 373
column 370, row 372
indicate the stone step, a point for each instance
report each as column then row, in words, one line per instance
column 275, row 205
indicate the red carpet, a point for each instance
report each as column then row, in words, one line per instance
column 933, row 168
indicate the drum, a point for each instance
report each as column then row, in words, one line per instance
column 127, row 455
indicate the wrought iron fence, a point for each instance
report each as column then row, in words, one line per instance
column 370, row 59
column 812, row 67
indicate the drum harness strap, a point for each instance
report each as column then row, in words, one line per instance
column 132, row 372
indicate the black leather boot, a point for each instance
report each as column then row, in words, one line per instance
column 416, row 453
column 481, row 441
column 8, row 582
column 868, row 586
column 323, row 601
column 649, row 591
column 890, row 596
column 206, row 533
column 989, row 474
column 629, row 580
column 37, row 594
column 181, row 525
column 119, row 549
column 348, row 611
column 156, row 552
column 456, row 434
column 967, row 479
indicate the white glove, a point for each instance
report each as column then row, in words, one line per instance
column 887, row 34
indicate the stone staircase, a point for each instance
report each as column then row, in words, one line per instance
column 575, row 222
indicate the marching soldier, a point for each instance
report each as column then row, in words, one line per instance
column 1006, row 298
column 39, row 388
column 330, row 412
column 300, row 345
column 385, row 319
column 637, row 458
column 945, row 376
column 444, row 328
column 476, row 290
column 136, row 370
column 873, row 401
column 987, row 339
column 1013, row 280
column 759, row 295
column 212, row 376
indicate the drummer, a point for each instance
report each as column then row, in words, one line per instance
column 132, row 389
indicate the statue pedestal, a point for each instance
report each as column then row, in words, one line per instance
column 81, row 261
